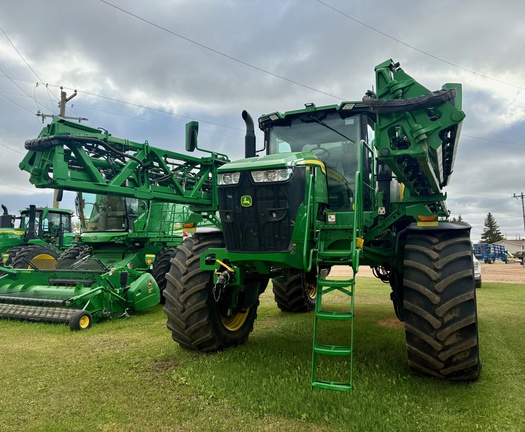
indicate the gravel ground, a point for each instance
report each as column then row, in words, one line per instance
column 512, row 272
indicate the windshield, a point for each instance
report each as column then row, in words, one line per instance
column 24, row 220
column 332, row 139
column 54, row 222
column 106, row 213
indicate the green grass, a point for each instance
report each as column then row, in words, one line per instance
column 128, row 375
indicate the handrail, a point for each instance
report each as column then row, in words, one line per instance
column 310, row 207
column 359, row 206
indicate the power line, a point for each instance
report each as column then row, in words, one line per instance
column 158, row 122
column 135, row 105
column 417, row 49
column 244, row 63
column 35, row 99
column 31, row 69
column 20, row 54
column 13, row 102
column 492, row 140
column 217, row 51
column 19, row 188
column 9, row 78
column 12, row 149
column 170, row 113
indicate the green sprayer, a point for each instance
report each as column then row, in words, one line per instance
column 356, row 183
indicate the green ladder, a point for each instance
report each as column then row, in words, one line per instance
column 343, row 226
column 345, row 351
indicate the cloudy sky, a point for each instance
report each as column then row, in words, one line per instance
column 144, row 69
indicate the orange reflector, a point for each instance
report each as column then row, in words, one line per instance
column 430, row 218
column 189, row 227
column 149, row 259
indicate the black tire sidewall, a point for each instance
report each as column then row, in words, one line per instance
column 440, row 306
column 28, row 253
column 194, row 317
column 74, row 321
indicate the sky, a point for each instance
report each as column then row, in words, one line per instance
column 142, row 70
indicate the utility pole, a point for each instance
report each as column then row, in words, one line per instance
column 57, row 195
column 62, row 105
column 522, row 196
column 63, row 100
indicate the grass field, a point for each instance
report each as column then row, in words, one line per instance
column 128, row 375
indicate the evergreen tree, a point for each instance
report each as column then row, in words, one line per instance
column 491, row 233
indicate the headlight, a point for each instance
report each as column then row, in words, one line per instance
column 228, row 178
column 275, row 175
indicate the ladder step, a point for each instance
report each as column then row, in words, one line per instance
column 335, row 254
column 336, row 316
column 336, row 283
column 332, row 385
column 334, row 350
column 345, row 352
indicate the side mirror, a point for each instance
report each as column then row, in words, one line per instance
column 192, row 131
column 60, row 195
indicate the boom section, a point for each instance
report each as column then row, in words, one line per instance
column 417, row 131
column 76, row 157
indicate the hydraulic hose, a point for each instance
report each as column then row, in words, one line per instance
column 44, row 143
column 386, row 106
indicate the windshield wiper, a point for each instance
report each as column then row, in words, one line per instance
column 322, row 123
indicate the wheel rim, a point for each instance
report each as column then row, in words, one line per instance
column 235, row 321
column 311, row 290
column 44, row 262
column 83, row 322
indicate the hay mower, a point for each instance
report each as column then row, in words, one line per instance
column 131, row 226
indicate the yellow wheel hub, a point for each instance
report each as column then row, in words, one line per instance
column 236, row 321
column 84, row 322
column 44, row 262
column 311, row 290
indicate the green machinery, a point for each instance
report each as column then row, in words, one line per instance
column 119, row 262
column 359, row 183
column 37, row 236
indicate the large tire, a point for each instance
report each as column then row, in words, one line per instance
column 11, row 253
column 440, row 305
column 72, row 255
column 196, row 320
column 161, row 267
column 41, row 257
column 295, row 291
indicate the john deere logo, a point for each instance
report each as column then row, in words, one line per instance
column 246, row 201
